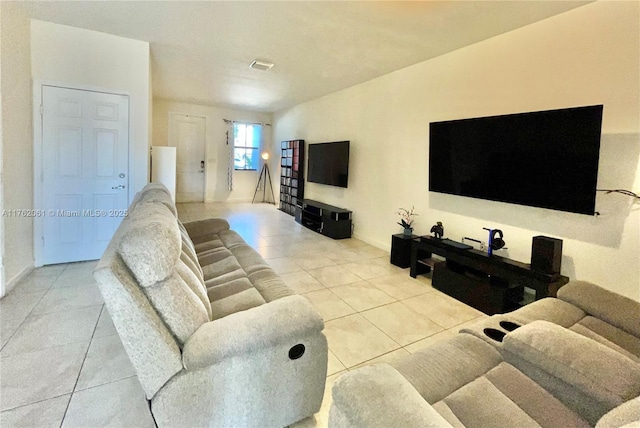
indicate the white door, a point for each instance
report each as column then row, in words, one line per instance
column 85, row 160
column 188, row 133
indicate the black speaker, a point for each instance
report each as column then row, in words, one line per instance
column 546, row 254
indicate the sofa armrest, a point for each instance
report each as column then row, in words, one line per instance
column 379, row 396
column 205, row 227
column 289, row 319
column 613, row 308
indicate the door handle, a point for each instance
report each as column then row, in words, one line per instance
column 118, row 187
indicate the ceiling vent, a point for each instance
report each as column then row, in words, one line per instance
column 261, row 65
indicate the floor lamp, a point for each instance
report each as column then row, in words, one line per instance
column 264, row 175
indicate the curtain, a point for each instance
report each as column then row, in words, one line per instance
column 229, row 142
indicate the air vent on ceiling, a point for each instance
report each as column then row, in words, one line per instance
column 261, row 65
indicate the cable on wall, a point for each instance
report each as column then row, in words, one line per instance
column 621, row 191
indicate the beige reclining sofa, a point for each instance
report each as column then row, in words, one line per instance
column 566, row 362
column 215, row 336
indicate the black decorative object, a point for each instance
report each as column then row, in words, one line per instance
column 437, row 230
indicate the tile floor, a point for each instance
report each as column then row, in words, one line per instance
column 62, row 363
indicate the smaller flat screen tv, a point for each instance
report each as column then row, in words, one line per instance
column 329, row 163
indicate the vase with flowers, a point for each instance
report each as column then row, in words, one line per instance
column 406, row 220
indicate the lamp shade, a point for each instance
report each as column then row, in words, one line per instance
column 265, row 156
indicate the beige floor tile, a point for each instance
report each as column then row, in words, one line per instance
column 351, row 243
column 354, row 340
column 75, row 277
column 386, row 358
column 105, row 325
column 35, row 283
column 270, row 252
column 106, row 362
column 16, row 306
column 334, row 365
column 424, row 343
column 362, row 295
column 36, row 376
column 457, row 328
column 371, row 252
column 444, row 310
column 344, row 255
column 8, row 329
column 301, row 282
column 68, row 298
column 88, row 265
column 283, row 265
column 50, row 270
column 393, row 269
column 401, row 323
column 328, row 304
column 50, row 330
column 332, row 276
column 366, row 270
column 282, row 240
column 116, row 404
column 401, row 286
column 47, row 413
column 312, row 261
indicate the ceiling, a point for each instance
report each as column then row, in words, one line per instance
column 201, row 51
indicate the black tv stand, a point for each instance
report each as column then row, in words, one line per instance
column 326, row 219
column 492, row 284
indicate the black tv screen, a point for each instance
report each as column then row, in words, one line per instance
column 329, row 163
column 547, row 159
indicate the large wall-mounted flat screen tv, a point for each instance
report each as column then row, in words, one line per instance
column 329, row 163
column 546, row 159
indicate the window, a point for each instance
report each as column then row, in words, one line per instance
column 246, row 146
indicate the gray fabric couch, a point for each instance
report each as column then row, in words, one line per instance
column 215, row 336
column 569, row 362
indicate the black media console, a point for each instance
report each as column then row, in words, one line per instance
column 492, row 284
column 325, row 219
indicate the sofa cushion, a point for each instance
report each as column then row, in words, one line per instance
column 152, row 249
column 548, row 309
column 507, row 395
column 214, row 265
column 249, row 259
column 626, row 415
column 152, row 244
column 613, row 308
column 598, row 330
column 247, row 299
column 157, row 193
column 445, row 367
column 603, row 376
column 270, row 285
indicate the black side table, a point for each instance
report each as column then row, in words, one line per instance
column 401, row 249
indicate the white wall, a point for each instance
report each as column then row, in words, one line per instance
column 217, row 152
column 589, row 55
column 17, row 144
column 84, row 58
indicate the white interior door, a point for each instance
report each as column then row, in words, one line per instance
column 85, row 161
column 188, row 134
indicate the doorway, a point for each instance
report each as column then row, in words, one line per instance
column 84, row 165
column 187, row 134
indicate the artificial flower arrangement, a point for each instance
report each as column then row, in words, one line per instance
column 406, row 219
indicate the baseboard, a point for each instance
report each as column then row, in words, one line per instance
column 386, row 246
column 10, row 284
